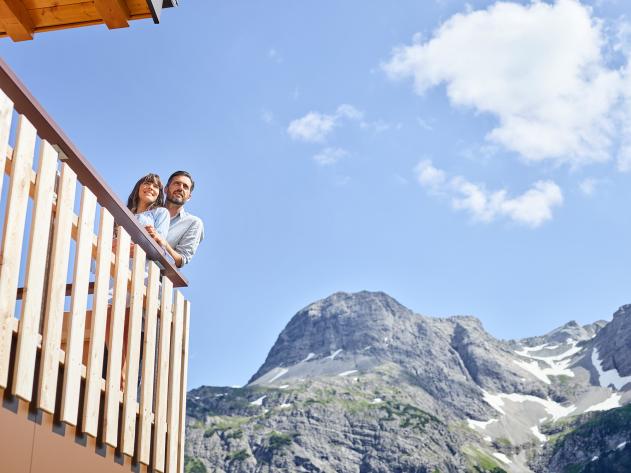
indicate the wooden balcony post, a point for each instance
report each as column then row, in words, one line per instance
column 35, row 273
column 13, row 233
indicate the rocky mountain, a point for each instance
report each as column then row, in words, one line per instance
column 360, row 383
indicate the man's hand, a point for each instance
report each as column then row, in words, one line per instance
column 165, row 244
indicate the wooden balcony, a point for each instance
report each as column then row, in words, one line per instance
column 21, row 19
column 93, row 351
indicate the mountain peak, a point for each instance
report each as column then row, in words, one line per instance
column 347, row 322
column 623, row 311
column 348, row 333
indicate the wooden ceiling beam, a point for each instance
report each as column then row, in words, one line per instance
column 115, row 13
column 16, row 20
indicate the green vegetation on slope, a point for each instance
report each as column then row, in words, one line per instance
column 193, row 465
column 480, row 462
column 593, row 433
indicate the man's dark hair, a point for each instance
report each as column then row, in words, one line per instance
column 181, row 173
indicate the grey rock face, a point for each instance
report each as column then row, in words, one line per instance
column 591, row 442
column 571, row 330
column 449, row 358
column 614, row 342
column 340, row 322
column 359, row 383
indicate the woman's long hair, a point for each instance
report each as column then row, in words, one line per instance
column 132, row 201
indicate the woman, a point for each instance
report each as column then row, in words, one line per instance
column 147, row 202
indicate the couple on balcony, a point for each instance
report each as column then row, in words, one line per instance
column 174, row 229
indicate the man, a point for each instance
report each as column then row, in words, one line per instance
column 185, row 230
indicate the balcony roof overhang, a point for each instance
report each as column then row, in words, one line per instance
column 21, row 19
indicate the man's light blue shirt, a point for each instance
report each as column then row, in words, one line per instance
column 185, row 233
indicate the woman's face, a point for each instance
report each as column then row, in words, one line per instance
column 148, row 193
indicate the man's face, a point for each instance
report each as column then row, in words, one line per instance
column 179, row 190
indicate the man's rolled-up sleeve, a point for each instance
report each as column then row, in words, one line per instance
column 187, row 246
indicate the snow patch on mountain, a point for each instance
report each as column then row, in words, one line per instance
column 346, row 373
column 334, row 354
column 535, row 431
column 258, row 402
column 555, row 364
column 611, row 402
column 479, row 424
column 503, row 458
column 609, row 377
column 554, row 409
column 308, row 357
column 281, row 372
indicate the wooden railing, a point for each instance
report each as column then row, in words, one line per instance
column 74, row 301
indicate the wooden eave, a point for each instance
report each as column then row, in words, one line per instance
column 21, row 19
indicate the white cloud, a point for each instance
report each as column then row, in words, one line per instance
column 312, row 127
column 532, row 208
column 538, row 68
column 624, row 154
column 622, row 42
column 429, row 176
column 315, row 126
column 348, row 111
column 330, row 156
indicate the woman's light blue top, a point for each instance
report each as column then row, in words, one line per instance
column 159, row 218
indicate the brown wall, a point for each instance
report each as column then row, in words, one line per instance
column 31, row 442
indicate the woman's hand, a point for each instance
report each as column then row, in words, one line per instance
column 156, row 236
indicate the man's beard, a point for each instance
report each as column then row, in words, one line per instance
column 175, row 200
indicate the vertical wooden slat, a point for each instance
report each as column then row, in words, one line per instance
column 115, row 351
column 133, row 352
column 175, row 380
column 13, row 233
column 35, row 273
column 6, row 113
column 160, row 420
column 99, row 320
column 56, row 294
column 78, row 308
column 148, row 364
column 183, row 384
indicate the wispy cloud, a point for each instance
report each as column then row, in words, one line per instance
column 532, row 208
column 538, row 68
column 274, row 55
column 330, row 156
column 378, row 126
column 624, row 154
column 314, row 127
column 267, row 117
column 590, row 185
column 424, row 124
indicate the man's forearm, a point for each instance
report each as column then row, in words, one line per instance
column 179, row 261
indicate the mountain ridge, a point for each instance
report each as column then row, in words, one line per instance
column 363, row 362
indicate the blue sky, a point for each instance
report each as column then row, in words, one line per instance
column 466, row 158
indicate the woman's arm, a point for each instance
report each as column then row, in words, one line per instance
column 159, row 232
column 161, row 220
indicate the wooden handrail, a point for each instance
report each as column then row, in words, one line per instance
column 48, row 130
